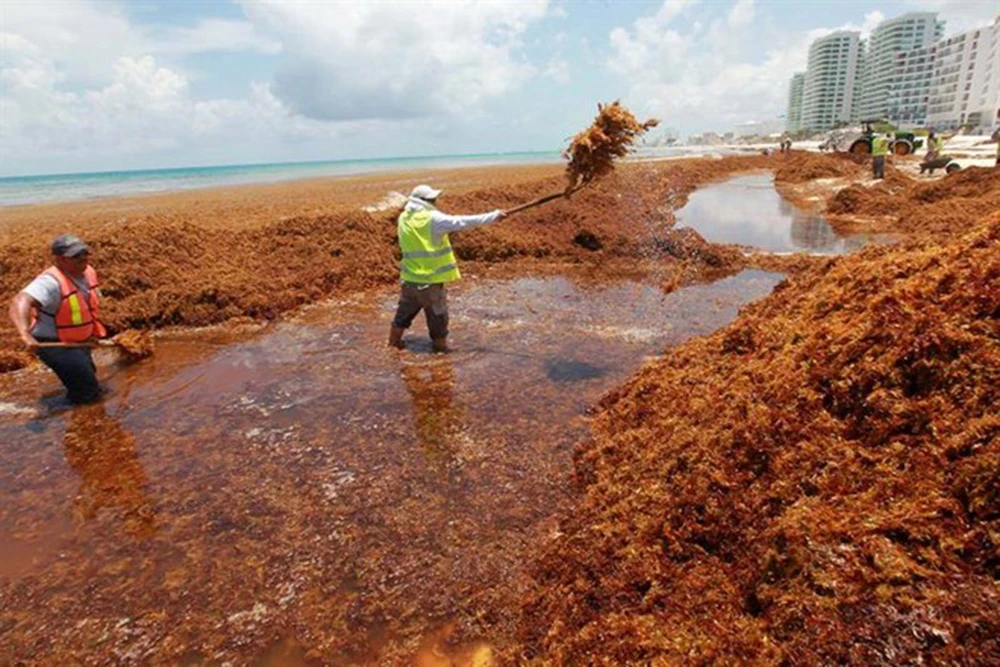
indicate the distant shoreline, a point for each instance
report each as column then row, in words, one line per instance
column 244, row 205
column 90, row 186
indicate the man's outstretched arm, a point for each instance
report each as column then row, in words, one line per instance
column 20, row 316
column 443, row 223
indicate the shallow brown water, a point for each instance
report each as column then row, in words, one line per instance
column 302, row 494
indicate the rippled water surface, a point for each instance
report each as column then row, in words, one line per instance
column 747, row 210
column 301, row 494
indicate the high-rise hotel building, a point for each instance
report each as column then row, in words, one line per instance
column 906, row 73
column 965, row 88
column 881, row 76
column 793, row 121
column 829, row 82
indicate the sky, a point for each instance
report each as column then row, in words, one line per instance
column 105, row 85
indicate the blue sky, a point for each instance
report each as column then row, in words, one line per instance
column 91, row 85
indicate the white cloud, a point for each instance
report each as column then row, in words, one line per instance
column 211, row 35
column 558, row 70
column 85, row 39
column 719, row 72
column 872, row 19
column 960, row 15
column 79, row 81
column 741, row 14
column 82, row 39
column 83, row 86
column 395, row 60
column 144, row 108
column 711, row 77
column 671, row 8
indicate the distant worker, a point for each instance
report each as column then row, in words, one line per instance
column 880, row 149
column 935, row 145
column 429, row 263
column 61, row 306
column 931, row 146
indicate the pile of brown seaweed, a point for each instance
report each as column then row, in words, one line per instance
column 593, row 151
column 815, row 484
column 800, row 167
column 955, row 203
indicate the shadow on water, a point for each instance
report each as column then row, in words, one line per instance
column 308, row 482
column 747, row 210
column 568, row 371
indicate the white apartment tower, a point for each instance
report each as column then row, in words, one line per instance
column 966, row 82
column 793, row 119
column 909, row 93
column 988, row 105
column 881, row 70
column 829, row 83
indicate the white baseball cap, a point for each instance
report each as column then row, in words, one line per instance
column 425, row 192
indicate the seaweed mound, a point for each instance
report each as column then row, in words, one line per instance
column 815, row 484
column 955, row 203
column 801, row 167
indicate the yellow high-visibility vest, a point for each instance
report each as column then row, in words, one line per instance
column 880, row 146
column 423, row 260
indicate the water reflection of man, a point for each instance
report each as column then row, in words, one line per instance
column 439, row 421
column 104, row 454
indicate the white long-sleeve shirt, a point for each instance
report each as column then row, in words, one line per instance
column 443, row 223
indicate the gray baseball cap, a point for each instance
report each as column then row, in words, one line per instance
column 68, row 245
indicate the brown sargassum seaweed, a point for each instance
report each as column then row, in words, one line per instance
column 593, row 151
column 818, row 483
column 134, row 345
column 940, row 207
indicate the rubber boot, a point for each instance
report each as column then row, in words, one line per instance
column 396, row 337
column 440, row 345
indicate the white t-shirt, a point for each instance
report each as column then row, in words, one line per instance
column 45, row 290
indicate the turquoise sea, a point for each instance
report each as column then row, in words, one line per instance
column 18, row 190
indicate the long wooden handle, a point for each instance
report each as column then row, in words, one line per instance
column 537, row 202
column 66, row 345
column 546, row 198
column 99, row 343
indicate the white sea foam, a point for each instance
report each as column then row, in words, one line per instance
column 14, row 409
column 390, row 201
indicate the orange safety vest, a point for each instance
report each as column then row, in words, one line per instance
column 77, row 319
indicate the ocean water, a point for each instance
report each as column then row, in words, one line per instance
column 19, row 190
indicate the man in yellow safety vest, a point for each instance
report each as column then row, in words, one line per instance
column 880, row 149
column 428, row 263
column 935, row 145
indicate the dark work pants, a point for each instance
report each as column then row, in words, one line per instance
column 432, row 299
column 878, row 166
column 75, row 368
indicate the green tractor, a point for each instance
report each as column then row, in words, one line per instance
column 901, row 143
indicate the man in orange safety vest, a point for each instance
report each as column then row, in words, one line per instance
column 57, row 317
